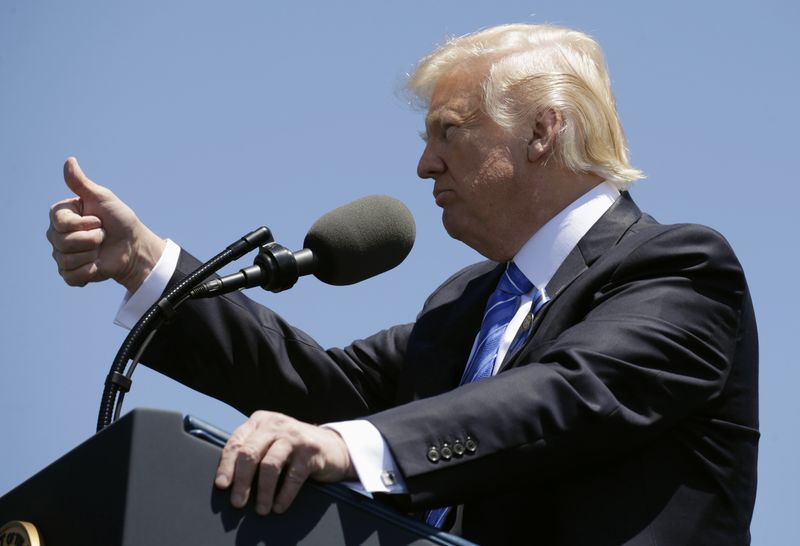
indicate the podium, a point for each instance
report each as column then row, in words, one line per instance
column 146, row 481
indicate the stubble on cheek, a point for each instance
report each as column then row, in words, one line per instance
column 497, row 165
column 473, row 217
column 494, row 175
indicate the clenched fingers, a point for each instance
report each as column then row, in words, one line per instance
column 76, row 241
column 66, row 216
column 80, row 276
column 74, row 260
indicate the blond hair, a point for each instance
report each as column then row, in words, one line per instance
column 535, row 68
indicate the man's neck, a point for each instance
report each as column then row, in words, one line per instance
column 543, row 253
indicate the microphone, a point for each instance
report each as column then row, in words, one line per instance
column 361, row 239
column 347, row 245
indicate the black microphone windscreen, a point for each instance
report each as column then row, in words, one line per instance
column 361, row 239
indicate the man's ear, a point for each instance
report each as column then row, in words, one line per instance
column 543, row 135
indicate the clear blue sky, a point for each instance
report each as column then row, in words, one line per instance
column 212, row 118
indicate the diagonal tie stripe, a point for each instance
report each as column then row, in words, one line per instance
column 500, row 309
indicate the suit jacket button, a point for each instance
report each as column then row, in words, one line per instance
column 471, row 444
column 433, row 455
column 458, row 448
column 446, row 451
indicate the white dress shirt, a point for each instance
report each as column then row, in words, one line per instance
column 538, row 259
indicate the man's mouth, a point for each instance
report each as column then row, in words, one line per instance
column 441, row 195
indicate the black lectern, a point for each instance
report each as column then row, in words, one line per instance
column 146, row 481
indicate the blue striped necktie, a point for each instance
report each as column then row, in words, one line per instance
column 500, row 309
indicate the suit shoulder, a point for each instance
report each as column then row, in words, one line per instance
column 676, row 239
column 462, row 280
column 690, row 253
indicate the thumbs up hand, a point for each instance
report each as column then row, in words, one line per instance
column 96, row 236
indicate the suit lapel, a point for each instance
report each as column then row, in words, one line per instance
column 443, row 336
column 603, row 235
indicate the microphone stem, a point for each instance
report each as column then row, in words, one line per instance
column 306, row 262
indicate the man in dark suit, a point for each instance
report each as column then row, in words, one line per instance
column 618, row 401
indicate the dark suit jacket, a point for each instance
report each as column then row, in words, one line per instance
column 628, row 417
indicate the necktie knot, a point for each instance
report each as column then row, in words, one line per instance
column 514, row 281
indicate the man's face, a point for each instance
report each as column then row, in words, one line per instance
column 477, row 167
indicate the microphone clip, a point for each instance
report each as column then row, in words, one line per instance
column 278, row 266
column 275, row 268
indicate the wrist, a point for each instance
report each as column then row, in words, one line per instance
column 345, row 465
column 144, row 257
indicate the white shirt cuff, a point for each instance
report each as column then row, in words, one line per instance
column 136, row 304
column 371, row 457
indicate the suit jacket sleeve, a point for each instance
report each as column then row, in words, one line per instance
column 242, row 353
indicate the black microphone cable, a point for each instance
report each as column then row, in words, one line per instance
column 119, row 383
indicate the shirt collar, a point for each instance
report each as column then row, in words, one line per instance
column 545, row 251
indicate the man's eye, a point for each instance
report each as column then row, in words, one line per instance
column 448, row 129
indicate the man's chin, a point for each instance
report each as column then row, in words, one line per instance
column 459, row 231
column 452, row 227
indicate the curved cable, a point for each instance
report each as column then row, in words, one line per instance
column 161, row 311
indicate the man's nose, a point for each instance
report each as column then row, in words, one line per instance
column 430, row 163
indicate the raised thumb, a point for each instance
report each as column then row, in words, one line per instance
column 78, row 182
